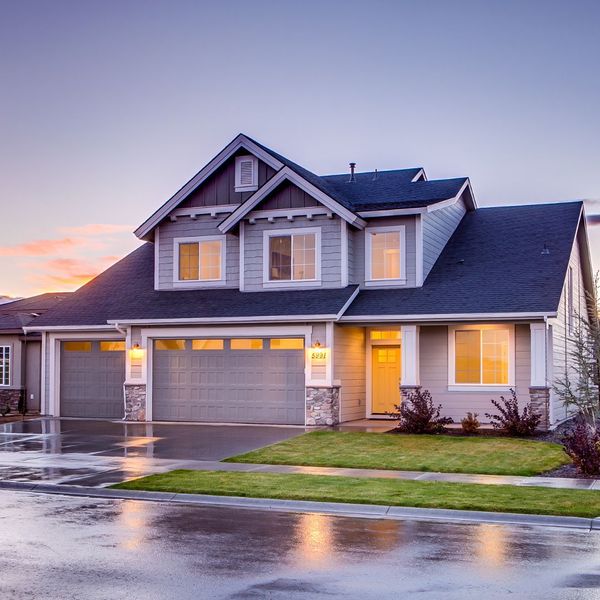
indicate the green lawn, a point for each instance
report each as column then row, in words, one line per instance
column 324, row 488
column 449, row 454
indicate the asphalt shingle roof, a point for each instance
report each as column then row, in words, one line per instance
column 126, row 291
column 492, row 264
column 14, row 315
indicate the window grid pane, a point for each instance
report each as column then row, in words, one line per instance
column 210, row 260
column 4, row 365
column 246, row 344
column 207, row 344
column 467, row 356
column 280, row 258
column 385, row 255
column 169, row 344
column 286, row 344
column 303, row 256
column 188, row 261
column 77, row 346
column 494, row 351
column 112, row 346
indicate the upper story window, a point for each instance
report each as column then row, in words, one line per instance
column 4, row 365
column 481, row 355
column 246, row 173
column 199, row 259
column 385, row 255
column 292, row 255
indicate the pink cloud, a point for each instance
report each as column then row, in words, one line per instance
column 39, row 247
column 69, row 273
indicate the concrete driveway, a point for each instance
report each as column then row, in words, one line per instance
column 94, row 452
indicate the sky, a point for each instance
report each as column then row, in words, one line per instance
column 108, row 107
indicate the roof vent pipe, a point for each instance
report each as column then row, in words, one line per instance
column 375, row 175
column 352, row 167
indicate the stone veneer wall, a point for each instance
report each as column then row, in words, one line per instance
column 135, row 402
column 11, row 397
column 323, row 405
column 407, row 390
column 540, row 403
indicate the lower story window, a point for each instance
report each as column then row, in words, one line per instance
column 482, row 356
column 4, row 365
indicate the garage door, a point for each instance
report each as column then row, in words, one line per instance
column 91, row 379
column 229, row 380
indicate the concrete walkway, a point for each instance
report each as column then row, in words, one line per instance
column 552, row 482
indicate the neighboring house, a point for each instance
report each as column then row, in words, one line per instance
column 20, row 352
column 267, row 294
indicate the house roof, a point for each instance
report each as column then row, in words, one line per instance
column 16, row 314
column 125, row 292
column 492, row 264
column 391, row 189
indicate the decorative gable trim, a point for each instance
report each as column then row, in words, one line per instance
column 241, row 141
column 287, row 174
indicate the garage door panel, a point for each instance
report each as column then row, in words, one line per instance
column 91, row 382
column 244, row 386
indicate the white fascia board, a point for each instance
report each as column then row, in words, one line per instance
column 418, row 176
column 292, row 176
column 449, row 317
column 241, row 141
column 218, row 320
column 348, row 303
column 71, row 327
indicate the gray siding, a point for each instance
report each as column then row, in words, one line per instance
column 562, row 339
column 187, row 227
column 32, row 370
column 330, row 249
column 434, row 374
column 219, row 188
column 357, row 243
column 350, row 369
column 288, row 195
column 16, row 380
column 438, row 227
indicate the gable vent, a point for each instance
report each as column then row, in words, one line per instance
column 246, row 173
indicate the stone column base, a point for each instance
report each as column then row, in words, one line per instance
column 323, row 405
column 135, row 402
column 11, row 398
column 407, row 390
column 539, row 398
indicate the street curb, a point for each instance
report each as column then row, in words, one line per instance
column 365, row 511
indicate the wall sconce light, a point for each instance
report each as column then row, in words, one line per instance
column 317, row 344
column 136, row 352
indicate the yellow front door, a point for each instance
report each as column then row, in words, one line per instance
column 385, row 376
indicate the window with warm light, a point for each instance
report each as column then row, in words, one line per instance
column 385, row 335
column 200, row 259
column 77, row 346
column 292, row 256
column 385, row 253
column 482, row 356
column 169, row 344
column 286, row 344
column 112, row 346
column 207, row 344
column 4, row 365
column 246, row 344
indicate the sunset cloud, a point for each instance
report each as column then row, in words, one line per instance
column 39, row 247
column 69, row 273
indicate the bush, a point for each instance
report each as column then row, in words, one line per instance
column 510, row 420
column 582, row 444
column 417, row 414
column 470, row 424
column 4, row 410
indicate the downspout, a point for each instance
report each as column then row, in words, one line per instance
column 24, row 375
column 124, row 333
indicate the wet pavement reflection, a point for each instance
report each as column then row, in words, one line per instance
column 64, row 547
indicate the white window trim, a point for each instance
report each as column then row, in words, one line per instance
column 10, row 365
column 292, row 282
column 199, row 282
column 369, row 281
column 238, row 176
column 480, row 387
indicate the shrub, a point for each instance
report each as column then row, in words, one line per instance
column 510, row 420
column 417, row 414
column 470, row 424
column 582, row 444
column 4, row 410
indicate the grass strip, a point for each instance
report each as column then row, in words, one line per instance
column 425, row 494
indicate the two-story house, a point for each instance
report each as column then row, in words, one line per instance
column 267, row 294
